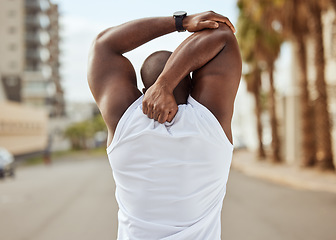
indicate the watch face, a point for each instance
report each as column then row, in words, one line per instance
column 180, row 13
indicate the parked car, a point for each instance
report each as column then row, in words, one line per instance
column 6, row 163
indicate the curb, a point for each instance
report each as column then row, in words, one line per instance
column 284, row 174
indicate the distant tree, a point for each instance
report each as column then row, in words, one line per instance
column 293, row 17
column 298, row 20
column 79, row 133
column 253, row 80
column 324, row 156
column 260, row 42
column 247, row 41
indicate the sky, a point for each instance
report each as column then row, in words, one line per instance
column 82, row 20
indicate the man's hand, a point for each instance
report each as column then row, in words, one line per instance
column 159, row 103
column 200, row 21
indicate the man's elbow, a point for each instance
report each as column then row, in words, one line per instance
column 221, row 35
column 225, row 33
column 103, row 40
column 103, row 35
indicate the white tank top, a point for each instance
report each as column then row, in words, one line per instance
column 170, row 178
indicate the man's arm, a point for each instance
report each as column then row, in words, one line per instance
column 216, row 84
column 193, row 53
column 213, row 57
column 111, row 76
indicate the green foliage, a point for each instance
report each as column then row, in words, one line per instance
column 66, row 155
column 79, row 133
column 259, row 40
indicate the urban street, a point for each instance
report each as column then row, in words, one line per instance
column 63, row 61
column 74, row 199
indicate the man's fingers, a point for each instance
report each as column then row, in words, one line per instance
column 208, row 24
column 144, row 108
column 156, row 116
column 230, row 26
column 150, row 114
column 227, row 22
column 163, row 117
column 219, row 18
column 158, row 103
column 148, row 109
column 171, row 115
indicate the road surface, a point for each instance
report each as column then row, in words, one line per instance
column 74, row 199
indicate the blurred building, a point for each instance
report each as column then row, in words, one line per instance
column 29, row 47
column 12, row 48
column 29, row 73
column 23, row 129
column 57, row 101
column 42, row 84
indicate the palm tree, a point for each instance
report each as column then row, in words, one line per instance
column 332, row 3
column 247, row 41
column 266, row 45
column 273, row 42
column 293, row 16
column 253, row 80
column 324, row 154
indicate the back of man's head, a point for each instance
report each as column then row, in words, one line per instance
column 151, row 70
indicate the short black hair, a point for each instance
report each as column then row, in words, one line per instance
column 152, row 68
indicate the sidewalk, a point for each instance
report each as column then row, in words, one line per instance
column 310, row 179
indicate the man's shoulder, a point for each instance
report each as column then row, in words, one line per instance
column 112, row 109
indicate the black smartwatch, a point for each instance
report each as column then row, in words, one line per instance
column 179, row 20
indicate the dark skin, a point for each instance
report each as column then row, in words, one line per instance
column 153, row 67
column 211, row 53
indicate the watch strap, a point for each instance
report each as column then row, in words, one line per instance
column 179, row 16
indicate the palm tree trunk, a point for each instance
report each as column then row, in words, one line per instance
column 333, row 3
column 324, row 154
column 274, row 122
column 258, row 112
column 307, row 115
